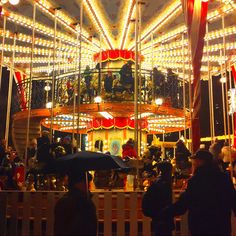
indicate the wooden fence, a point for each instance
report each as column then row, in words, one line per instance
column 119, row 214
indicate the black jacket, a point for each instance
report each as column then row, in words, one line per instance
column 157, row 197
column 210, row 196
column 75, row 214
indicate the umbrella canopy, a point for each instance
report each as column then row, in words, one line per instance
column 87, row 160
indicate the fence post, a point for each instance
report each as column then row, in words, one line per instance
column 3, row 211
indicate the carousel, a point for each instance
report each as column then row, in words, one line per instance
column 105, row 73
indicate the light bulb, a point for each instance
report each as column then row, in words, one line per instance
column 159, row 101
column 14, row 2
column 49, row 105
column 98, row 99
column 4, row 1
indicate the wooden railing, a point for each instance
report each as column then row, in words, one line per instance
column 119, row 213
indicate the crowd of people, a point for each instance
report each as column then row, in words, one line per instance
column 209, row 195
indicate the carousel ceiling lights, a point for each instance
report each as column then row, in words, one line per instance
column 173, row 10
column 213, row 15
column 125, row 25
column 99, row 21
column 65, row 20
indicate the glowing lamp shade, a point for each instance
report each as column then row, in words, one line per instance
column 14, row 2
column 223, row 80
column 159, row 101
column 98, row 99
column 49, row 105
column 47, row 88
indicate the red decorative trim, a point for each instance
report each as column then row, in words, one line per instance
column 117, row 122
column 115, row 55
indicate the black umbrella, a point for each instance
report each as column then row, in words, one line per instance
column 86, row 160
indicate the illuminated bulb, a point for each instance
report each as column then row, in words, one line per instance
column 14, row 2
column 159, row 101
column 49, row 105
column 47, row 88
column 4, row 1
column 223, row 80
column 98, row 99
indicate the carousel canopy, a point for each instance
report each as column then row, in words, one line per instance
column 109, row 25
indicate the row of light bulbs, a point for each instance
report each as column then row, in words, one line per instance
column 65, row 20
column 125, row 24
column 179, row 59
column 45, row 60
column 99, row 21
column 213, row 15
column 171, row 11
column 42, row 42
column 41, row 28
column 12, row 2
column 211, row 36
column 180, row 52
column 171, row 125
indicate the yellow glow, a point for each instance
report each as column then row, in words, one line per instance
column 99, row 21
column 128, row 11
column 174, row 8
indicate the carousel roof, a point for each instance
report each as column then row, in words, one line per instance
column 109, row 24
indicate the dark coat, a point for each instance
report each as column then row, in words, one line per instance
column 75, row 214
column 43, row 149
column 210, row 196
column 157, row 197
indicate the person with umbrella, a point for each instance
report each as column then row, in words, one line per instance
column 75, row 212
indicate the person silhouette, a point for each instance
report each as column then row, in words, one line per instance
column 75, row 213
column 157, row 197
column 209, row 198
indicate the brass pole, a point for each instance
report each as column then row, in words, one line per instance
column 190, row 93
column 9, row 96
column 3, row 43
column 153, row 90
column 136, row 81
column 226, row 92
column 140, row 77
column 100, row 67
column 79, row 77
column 230, row 86
column 184, row 89
column 210, row 97
column 223, row 94
column 75, row 89
column 30, row 89
column 53, row 75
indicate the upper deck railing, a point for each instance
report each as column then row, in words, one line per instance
column 107, row 83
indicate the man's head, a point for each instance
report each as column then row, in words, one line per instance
column 79, row 180
column 201, row 158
